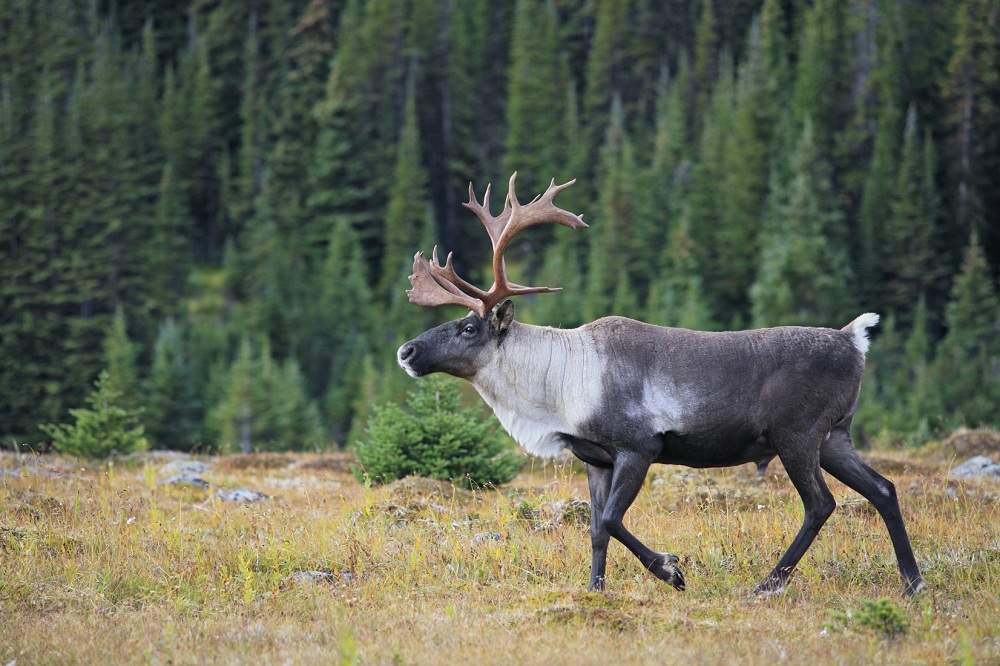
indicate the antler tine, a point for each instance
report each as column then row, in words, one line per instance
column 454, row 283
column 494, row 225
column 540, row 210
column 430, row 291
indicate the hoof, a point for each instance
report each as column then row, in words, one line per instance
column 769, row 588
column 665, row 568
column 914, row 587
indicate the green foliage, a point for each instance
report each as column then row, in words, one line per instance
column 967, row 366
column 264, row 405
column 534, row 115
column 299, row 152
column 172, row 414
column 120, row 361
column 436, row 438
column 99, row 432
column 805, row 276
column 882, row 616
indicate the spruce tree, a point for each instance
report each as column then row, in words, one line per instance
column 121, row 363
column 822, row 74
column 707, row 59
column 341, row 329
column 805, row 276
column 677, row 297
column 705, row 198
column 264, row 405
column 875, row 207
column 967, row 366
column 534, row 114
column 611, row 245
column 408, row 205
column 744, row 179
column 969, row 89
column 910, row 261
column 104, row 430
column 435, row 438
column 606, row 65
column 173, row 411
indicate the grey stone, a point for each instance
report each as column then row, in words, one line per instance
column 179, row 479
column 977, row 467
column 241, row 495
column 190, row 468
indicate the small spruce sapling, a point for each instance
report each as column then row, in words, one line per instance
column 105, row 429
column 435, row 438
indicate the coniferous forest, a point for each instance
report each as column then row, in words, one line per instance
column 217, row 202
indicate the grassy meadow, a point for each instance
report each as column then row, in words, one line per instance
column 107, row 564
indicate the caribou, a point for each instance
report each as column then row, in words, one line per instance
column 621, row 395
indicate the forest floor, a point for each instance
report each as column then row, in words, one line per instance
column 109, row 564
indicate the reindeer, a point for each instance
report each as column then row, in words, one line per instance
column 621, row 395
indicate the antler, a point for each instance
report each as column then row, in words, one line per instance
column 434, row 284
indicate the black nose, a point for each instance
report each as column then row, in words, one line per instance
column 407, row 351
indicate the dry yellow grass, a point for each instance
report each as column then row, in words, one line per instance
column 106, row 565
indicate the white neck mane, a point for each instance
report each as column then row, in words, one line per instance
column 536, row 385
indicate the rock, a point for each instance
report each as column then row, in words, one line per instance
column 977, row 468
column 480, row 537
column 314, row 577
column 179, row 479
column 184, row 468
column 241, row 495
column 322, row 577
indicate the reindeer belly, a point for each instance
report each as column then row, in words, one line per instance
column 719, row 449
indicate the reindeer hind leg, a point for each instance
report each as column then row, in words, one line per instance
column 841, row 460
column 802, row 465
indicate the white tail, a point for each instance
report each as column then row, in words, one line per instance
column 859, row 329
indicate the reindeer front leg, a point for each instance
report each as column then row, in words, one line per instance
column 612, row 491
column 599, row 480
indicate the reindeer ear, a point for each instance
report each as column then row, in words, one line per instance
column 502, row 317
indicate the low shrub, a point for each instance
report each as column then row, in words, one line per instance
column 435, row 438
column 101, row 431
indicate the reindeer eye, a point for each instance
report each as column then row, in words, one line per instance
column 469, row 329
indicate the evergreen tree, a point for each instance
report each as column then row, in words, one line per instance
column 606, row 76
column 202, row 160
column 967, row 366
column 804, row 276
column 707, row 61
column 677, row 297
column 534, row 114
column 120, row 362
column 875, row 206
column 340, row 188
column 264, row 405
column 343, row 329
column 295, row 420
column 172, row 415
column 611, row 247
column 910, row 263
column 970, row 89
column 436, row 438
column 291, row 151
column 822, row 74
column 473, row 136
column 408, row 205
column 704, row 202
column 744, row 178
column 105, row 429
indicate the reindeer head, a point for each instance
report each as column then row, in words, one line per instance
column 463, row 346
